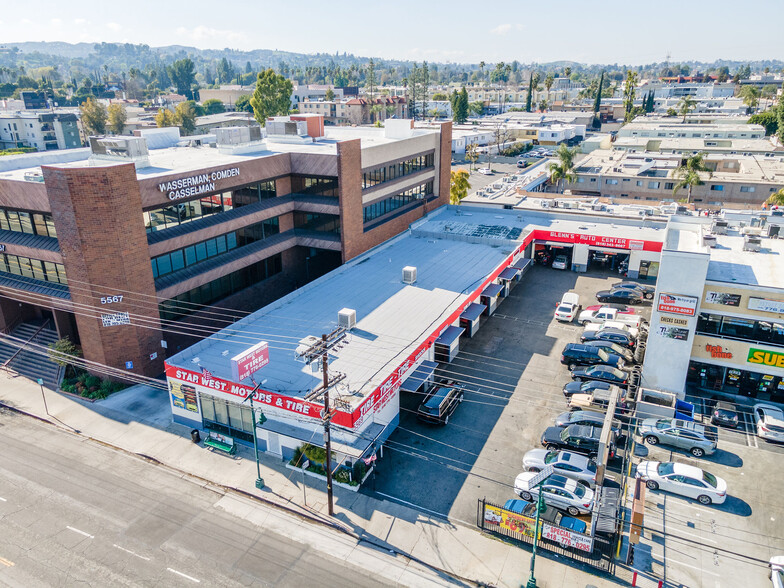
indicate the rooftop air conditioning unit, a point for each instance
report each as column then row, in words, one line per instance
column 709, row 240
column 409, row 274
column 347, row 318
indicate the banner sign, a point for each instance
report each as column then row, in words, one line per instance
column 115, row 319
column 567, row 537
column 509, row 520
column 247, row 363
column 597, row 240
column 674, row 321
column 722, row 298
column 764, row 357
column 674, row 333
column 677, row 304
column 766, row 305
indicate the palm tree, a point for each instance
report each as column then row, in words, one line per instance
column 563, row 170
column 688, row 174
column 776, row 199
column 685, row 106
column 750, row 95
column 548, row 83
column 482, row 69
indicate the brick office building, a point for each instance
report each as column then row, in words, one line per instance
column 123, row 247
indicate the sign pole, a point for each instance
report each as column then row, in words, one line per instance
column 41, row 383
column 262, row 418
column 539, row 506
column 327, row 418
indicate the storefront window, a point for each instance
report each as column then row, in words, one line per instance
column 737, row 327
column 227, row 417
column 708, row 378
column 708, row 323
column 770, row 332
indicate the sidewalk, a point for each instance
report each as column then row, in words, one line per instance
column 138, row 420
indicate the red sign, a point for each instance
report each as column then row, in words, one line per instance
column 567, row 537
column 247, row 363
column 718, row 352
column 597, row 240
column 677, row 304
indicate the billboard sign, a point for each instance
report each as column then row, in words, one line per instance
column 567, row 537
column 677, row 304
column 247, row 363
column 724, row 298
column 766, row 305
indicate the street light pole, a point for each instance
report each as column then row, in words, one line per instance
column 532, row 580
column 41, row 383
column 262, row 418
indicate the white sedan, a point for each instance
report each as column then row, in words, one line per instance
column 683, row 479
column 485, row 171
column 572, row 465
column 769, row 421
column 557, row 491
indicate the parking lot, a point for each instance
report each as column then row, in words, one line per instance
column 514, row 377
column 718, row 545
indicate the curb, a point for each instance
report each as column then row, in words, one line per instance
column 207, row 482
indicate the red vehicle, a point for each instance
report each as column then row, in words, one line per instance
column 621, row 308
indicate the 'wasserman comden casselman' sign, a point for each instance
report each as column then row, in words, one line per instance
column 195, row 185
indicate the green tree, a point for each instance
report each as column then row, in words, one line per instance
column 458, row 186
column 543, row 104
column 370, row 79
column 94, row 116
column 477, row 107
column 185, row 117
column 530, row 94
column 688, row 174
column 768, row 119
column 63, row 352
column 329, row 95
column 461, row 107
column 597, row 103
column 548, row 83
column 117, row 117
column 440, row 96
column 272, row 96
column 472, row 155
column 213, row 106
column 671, row 112
column 775, row 199
column 563, row 170
column 751, row 96
column 629, row 94
column 183, row 75
column 685, row 106
column 165, row 118
column 243, row 103
column 780, row 117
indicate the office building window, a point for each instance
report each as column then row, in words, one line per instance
column 32, row 223
column 669, row 185
column 717, row 188
column 45, row 271
column 654, row 185
column 770, row 332
column 388, row 173
column 747, row 188
column 325, row 223
column 314, row 185
column 193, row 254
column 611, row 182
column 378, row 209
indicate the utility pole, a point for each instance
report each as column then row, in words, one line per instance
column 319, row 349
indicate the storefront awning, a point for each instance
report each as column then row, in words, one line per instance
column 492, row 290
column 450, row 335
column 473, row 311
column 509, row 273
column 421, row 373
column 523, row 263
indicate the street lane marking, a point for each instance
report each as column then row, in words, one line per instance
column 680, row 531
column 3, row 499
column 698, row 568
column 6, row 562
column 183, row 575
column 81, row 532
column 131, row 552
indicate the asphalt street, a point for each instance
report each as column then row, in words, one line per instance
column 73, row 511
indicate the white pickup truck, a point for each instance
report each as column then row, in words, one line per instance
column 633, row 331
column 606, row 313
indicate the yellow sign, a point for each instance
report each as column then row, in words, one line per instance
column 770, row 358
column 510, row 520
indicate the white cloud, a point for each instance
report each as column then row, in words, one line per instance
column 203, row 33
column 505, row 29
column 26, row 21
column 113, row 26
column 80, row 21
column 56, row 22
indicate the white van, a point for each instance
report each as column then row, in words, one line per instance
column 568, row 307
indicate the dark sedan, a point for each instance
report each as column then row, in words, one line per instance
column 647, row 291
column 584, row 387
column 621, row 295
column 601, row 373
column 622, row 338
column 611, row 347
column 725, row 414
column 578, row 438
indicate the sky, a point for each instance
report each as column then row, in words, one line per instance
column 612, row 31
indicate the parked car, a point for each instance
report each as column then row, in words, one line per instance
column 568, row 307
column 441, row 402
column 560, row 262
column 578, row 438
column 622, row 338
column 585, row 417
column 576, row 354
column 558, row 491
column 567, row 463
column 599, row 401
column 769, row 421
column 776, row 575
column 696, row 438
column 725, row 414
column 603, row 373
column 550, row 515
column 606, row 314
column 683, row 479
column 584, row 387
column 647, row 291
column 611, row 347
column 485, row 171
column 621, row 308
column 618, row 326
column 622, row 295
column 522, row 163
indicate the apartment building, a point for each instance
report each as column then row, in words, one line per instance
column 357, row 111
column 43, row 131
column 121, row 245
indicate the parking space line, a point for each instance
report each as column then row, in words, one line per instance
column 6, row 562
column 702, row 570
column 3, row 499
column 131, row 552
column 80, row 532
column 173, row 571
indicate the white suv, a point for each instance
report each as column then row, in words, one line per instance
column 769, row 421
column 568, row 307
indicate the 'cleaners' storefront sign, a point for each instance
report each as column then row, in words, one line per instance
column 195, row 185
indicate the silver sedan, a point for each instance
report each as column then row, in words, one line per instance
column 572, row 465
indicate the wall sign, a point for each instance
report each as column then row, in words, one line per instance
column 763, row 357
column 510, row 520
column 247, row 363
column 766, row 305
column 195, row 185
column 674, row 333
column 718, row 352
column 722, row 298
column 116, row 319
column 677, row 304
column 567, row 537
column 674, row 320
column 597, row 240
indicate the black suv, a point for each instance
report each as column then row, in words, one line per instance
column 440, row 402
column 578, row 438
column 575, row 354
column 618, row 336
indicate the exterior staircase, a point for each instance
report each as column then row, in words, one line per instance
column 30, row 362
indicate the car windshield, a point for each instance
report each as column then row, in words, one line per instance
column 564, row 308
column 710, row 479
column 579, row 491
column 591, row 467
column 662, row 424
column 550, row 457
column 564, row 435
column 665, row 469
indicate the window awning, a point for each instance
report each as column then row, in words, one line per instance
column 449, row 335
column 492, row 290
column 473, row 311
column 523, row 263
column 509, row 273
column 421, row 373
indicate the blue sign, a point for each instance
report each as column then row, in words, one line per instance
column 128, row 365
